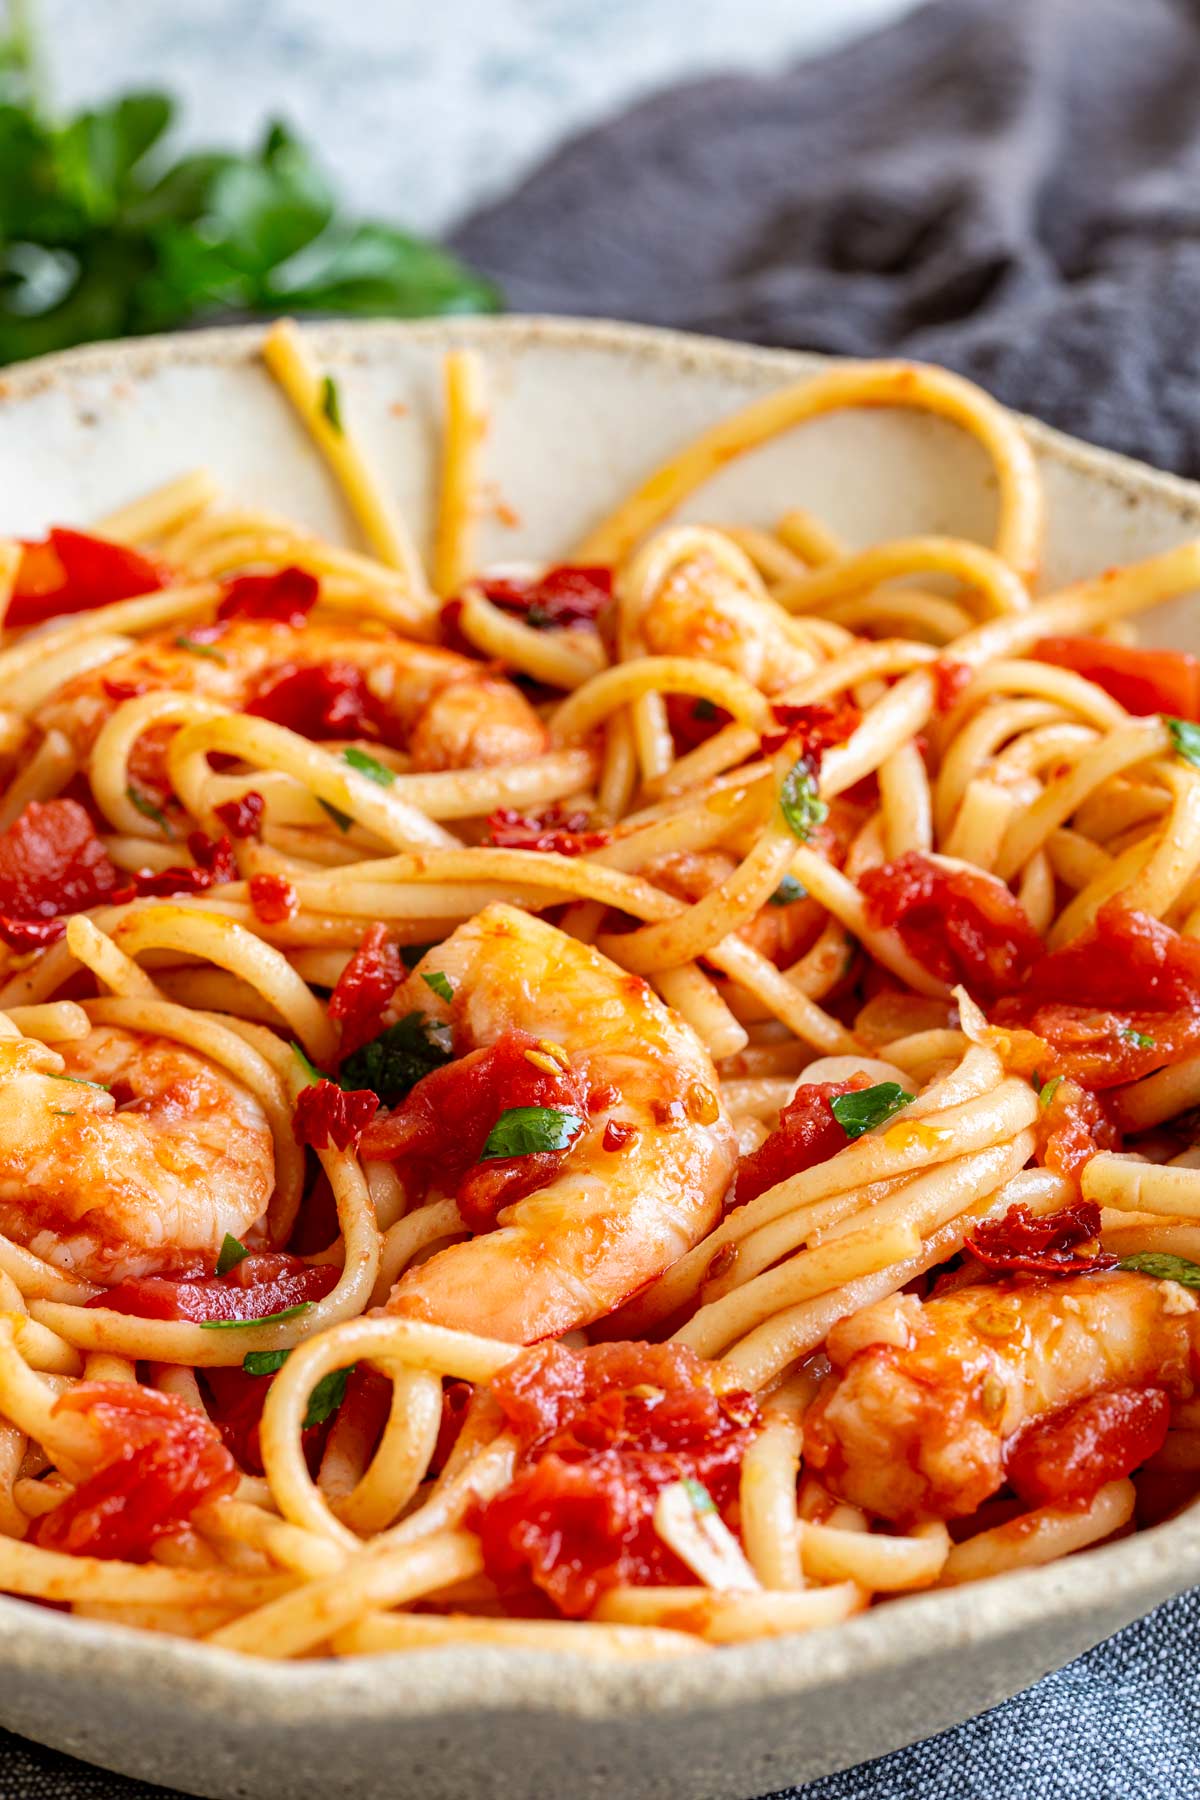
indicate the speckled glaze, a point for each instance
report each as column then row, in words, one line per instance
column 580, row 411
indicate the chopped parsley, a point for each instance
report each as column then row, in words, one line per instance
column 342, row 820
column 1185, row 739
column 392, row 1063
column 148, row 810
column 276, row 1318
column 194, row 649
column 802, row 805
column 369, row 766
column 1137, row 1038
column 331, row 403
column 233, row 1251
column 529, row 1130
column 1047, row 1093
column 1163, row 1267
column 439, row 983
column 788, row 890
column 862, row 1111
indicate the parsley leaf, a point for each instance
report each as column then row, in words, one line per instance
column 1185, row 739
column 264, row 1362
column 102, row 1087
column 331, row 404
column 233, row 1251
column 1047, row 1093
column 702, row 1501
column 275, row 1318
column 704, row 709
column 526, row 1130
column 788, row 890
column 342, row 820
column 1163, row 1267
column 1137, row 1038
column 802, row 806
column 862, row 1111
column 148, row 810
column 310, row 1068
column 439, row 983
column 392, row 1063
column 366, row 765
column 325, row 1398
column 184, row 642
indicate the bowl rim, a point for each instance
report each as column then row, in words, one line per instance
column 1144, row 1568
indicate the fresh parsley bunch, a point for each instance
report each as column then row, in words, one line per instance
column 103, row 234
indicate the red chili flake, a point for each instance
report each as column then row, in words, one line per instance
column 329, row 700
column 326, row 1113
column 214, row 865
column 287, row 597
column 273, row 899
column 365, row 986
column 617, row 1135
column 812, row 729
column 567, row 834
column 950, row 681
column 1046, row 1246
column 159, row 1460
column 73, row 571
column 1065, row 1459
column 567, row 595
column 31, row 934
column 243, row 817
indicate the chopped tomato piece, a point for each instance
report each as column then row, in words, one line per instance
column 327, row 1114
column 440, row 1130
column 566, row 833
column 812, row 729
column 693, row 721
column 159, row 1460
column 1072, row 1127
column 807, row 1134
column 1106, row 1049
column 950, row 681
column 52, row 862
column 273, row 898
column 365, row 986
column 1057, row 1244
column 1063, row 1460
column 329, row 700
column 567, row 595
column 1128, row 962
column 1142, row 681
column 961, row 925
column 286, row 597
column 602, row 1432
column 73, row 571
column 263, row 1283
column 214, row 864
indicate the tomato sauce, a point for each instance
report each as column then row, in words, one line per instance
column 602, row 1431
column 159, row 1460
column 440, row 1130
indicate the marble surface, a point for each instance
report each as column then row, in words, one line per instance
column 423, row 109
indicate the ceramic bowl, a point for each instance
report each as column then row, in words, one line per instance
column 580, row 412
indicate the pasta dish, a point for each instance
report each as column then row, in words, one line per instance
column 623, row 1106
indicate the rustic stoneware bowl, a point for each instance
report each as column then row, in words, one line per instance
column 580, row 412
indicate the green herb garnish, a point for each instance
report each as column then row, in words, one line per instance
column 264, row 1362
column 367, row 765
column 275, row 1318
column 325, row 1398
column 802, row 805
column 392, row 1063
column 232, row 1253
column 101, row 1087
column 195, row 649
column 62, row 1112
column 143, row 803
column 1137, row 1038
column 105, row 232
column 704, row 709
column 1163, row 1267
column 1185, row 739
column 1047, row 1093
column 788, row 890
column 528, row 1130
column 310, row 1068
column 342, row 820
column 862, row 1111
column 331, row 404
column 439, row 983
column 702, row 1501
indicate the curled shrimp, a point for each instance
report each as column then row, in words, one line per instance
column 444, row 710
column 928, row 1402
column 125, row 1154
column 641, row 1182
column 700, row 608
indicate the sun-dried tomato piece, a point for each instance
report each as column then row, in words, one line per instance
column 807, row 1134
column 52, row 862
column 263, row 1283
column 567, row 595
column 961, row 925
column 243, row 817
column 565, row 833
column 812, row 729
column 286, row 596
column 326, row 1114
column 215, row 864
column 74, row 571
column 273, row 899
column 330, row 700
column 365, row 986
column 1065, row 1459
column 1051, row 1245
column 159, row 1460
column 23, row 935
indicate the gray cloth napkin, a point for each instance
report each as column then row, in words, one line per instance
column 1011, row 187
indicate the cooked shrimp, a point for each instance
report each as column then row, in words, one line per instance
column 700, row 610
column 444, row 709
column 929, row 1400
column 146, row 1177
column 781, row 931
column 623, row 1203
